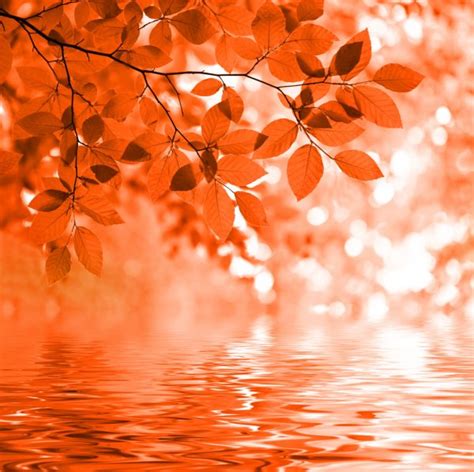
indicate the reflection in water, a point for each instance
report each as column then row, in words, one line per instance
column 325, row 398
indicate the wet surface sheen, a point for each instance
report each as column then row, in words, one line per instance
column 385, row 398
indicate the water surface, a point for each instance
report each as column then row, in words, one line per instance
column 321, row 398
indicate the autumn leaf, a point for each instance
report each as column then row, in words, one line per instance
column 235, row 20
column 214, row 124
column 251, row 208
column 338, row 134
column 49, row 200
column 225, row 53
column 335, row 111
column 194, row 26
column 268, row 26
column 207, row 87
column 36, row 77
column 162, row 171
column 104, row 173
column 284, row 66
column 313, row 39
column 232, row 105
column 170, row 7
column 93, row 129
column 183, row 179
column 161, row 37
column 353, row 57
column 398, row 78
column 218, row 211
column 41, row 123
column 239, row 170
column 6, row 58
column 119, row 106
column 241, row 141
column 377, row 106
column 305, row 169
column 358, row 164
column 48, row 226
column 8, row 161
column 209, row 164
column 280, row 135
column 147, row 57
column 309, row 9
column 96, row 205
column 58, row 264
column 88, row 250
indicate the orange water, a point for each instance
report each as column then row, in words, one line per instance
column 266, row 398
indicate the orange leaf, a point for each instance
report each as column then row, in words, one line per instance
column 353, row 57
column 170, row 7
column 58, row 264
column 398, row 78
column 41, row 123
column 241, row 141
column 280, row 135
column 312, row 39
column 147, row 57
column 309, row 9
column 8, row 161
column 246, row 48
column 48, row 200
column 251, row 208
column 235, row 20
column 338, row 134
column 358, row 164
column 194, row 26
column 96, row 205
column 183, row 179
column 284, row 66
column 93, row 129
column 161, row 37
column 219, row 210
column 149, row 112
column 232, row 104
column 214, row 124
column 225, row 53
column 335, row 111
column 207, row 87
column 162, row 171
column 6, row 58
column 305, row 169
column 105, row 8
column 239, row 170
column 268, row 27
column 119, row 106
column 36, row 77
column 88, row 249
column 377, row 106
column 48, row 226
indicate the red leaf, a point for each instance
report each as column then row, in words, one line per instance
column 305, row 169
column 398, row 78
column 219, row 211
column 251, row 208
column 377, row 106
column 358, row 164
